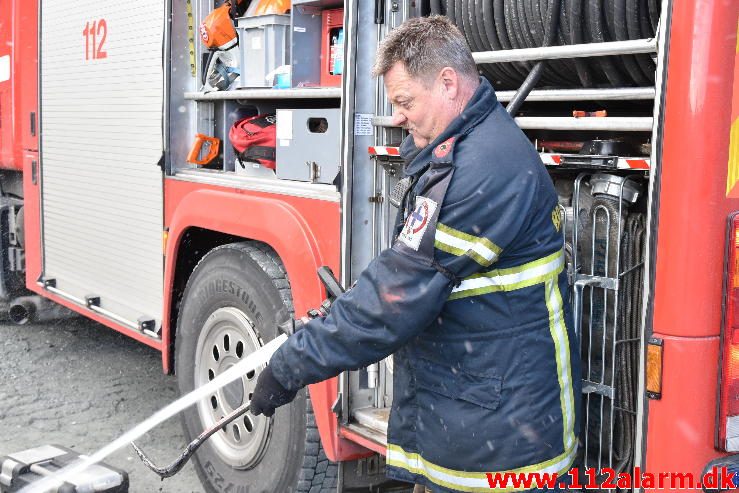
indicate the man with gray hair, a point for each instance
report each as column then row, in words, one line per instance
column 469, row 298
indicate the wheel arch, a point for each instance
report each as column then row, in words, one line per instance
column 193, row 232
column 203, row 219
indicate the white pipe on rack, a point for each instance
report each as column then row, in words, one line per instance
column 615, row 94
column 616, row 124
column 568, row 51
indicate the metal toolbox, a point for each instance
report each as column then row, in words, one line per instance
column 20, row 469
column 308, row 144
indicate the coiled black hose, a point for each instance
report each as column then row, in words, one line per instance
column 491, row 25
column 552, row 25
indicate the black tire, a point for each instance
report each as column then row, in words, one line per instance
column 235, row 296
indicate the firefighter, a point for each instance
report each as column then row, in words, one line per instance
column 470, row 298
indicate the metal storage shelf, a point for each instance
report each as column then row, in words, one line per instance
column 241, row 94
column 267, row 185
column 622, row 124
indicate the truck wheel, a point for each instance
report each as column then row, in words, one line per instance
column 230, row 307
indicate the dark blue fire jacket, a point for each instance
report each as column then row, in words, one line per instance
column 471, row 300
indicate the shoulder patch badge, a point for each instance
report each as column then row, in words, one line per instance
column 444, row 148
column 556, row 218
column 417, row 222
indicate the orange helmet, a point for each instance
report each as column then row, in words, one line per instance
column 217, row 31
column 266, row 7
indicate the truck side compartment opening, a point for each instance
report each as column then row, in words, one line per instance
column 255, row 154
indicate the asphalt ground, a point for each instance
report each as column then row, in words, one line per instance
column 79, row 384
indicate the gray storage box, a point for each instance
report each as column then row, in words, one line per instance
column 308, row 144
column 264, row 42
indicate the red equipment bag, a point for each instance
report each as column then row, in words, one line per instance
column 254, row 139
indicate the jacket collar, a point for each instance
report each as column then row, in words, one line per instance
column 441, row 149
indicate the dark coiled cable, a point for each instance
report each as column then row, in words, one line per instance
column 491, row 25
column 552, row 24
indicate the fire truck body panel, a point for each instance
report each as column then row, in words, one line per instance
column 695, row 199
column 32, row 228
column 681, row 424
column 302, row 230
column 18, row 96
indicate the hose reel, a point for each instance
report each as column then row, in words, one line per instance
column 490, row 25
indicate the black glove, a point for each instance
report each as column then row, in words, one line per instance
column 269, row 394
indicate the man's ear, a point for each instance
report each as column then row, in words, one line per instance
column 450, row 82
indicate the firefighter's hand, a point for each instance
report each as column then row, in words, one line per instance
column 269, row 394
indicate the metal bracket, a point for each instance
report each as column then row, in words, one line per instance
column 336, row 407
column 148, row 326
column 92, row 300
column 314, row 171
column 589, row 161
column 16, row 259
column 377, row 198
column 659, row 345
column 582, row 280
column 391, row 166
column 596, row 281
column 589, row 387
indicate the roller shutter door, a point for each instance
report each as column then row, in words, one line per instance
column 102, row 90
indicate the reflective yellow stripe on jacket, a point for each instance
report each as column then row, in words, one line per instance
column 543, row 271
column 473, row 481
column 510, row 279
column 479, row 249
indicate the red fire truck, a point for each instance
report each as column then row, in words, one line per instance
column 636, row 116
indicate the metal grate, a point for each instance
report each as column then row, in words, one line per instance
column 606, row 247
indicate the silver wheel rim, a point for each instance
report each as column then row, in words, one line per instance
column 227, row 337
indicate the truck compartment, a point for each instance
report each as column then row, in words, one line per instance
column 591, row 117
column 595, row 135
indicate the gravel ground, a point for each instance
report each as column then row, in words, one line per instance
column 79, row 384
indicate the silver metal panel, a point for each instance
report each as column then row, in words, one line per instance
column 655, row 160
column 373, row 417
column 732, row 434
column 306, row 153
column 101, row 128
column 358, row 101
column 732, row 427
